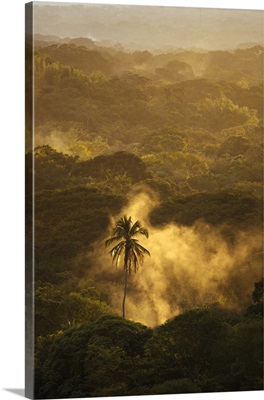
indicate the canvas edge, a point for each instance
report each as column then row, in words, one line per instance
column 29, row 206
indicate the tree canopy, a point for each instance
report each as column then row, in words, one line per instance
column 184, row 128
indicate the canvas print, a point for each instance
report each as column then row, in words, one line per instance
column 144, row 187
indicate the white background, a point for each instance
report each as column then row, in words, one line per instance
column 12, row 190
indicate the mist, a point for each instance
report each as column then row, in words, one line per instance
column 145, row 27
column 189, row 267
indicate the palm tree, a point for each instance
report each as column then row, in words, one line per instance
column 123, row 233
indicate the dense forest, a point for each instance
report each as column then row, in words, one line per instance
column 173, row 139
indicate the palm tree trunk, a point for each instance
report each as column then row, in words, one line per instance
column 125, row 281
column 125, row 292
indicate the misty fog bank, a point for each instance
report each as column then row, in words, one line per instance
column 189, row 267
column 152, row 28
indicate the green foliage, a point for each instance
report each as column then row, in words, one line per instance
column 107, row 121
column 247, row 347
column 52, row 168
column 175, row 71
column 198, row 351
column 226, row 207
column 234, row 146
column 77, row 84
column 206, row 345
column 120, row 163
column 221, row 113
column 57, row 309
column 163, row 187
column 79, row 57
column 175, row 386
column 179, row 166
column 94, row 359
column 189, row 354
column 163, row 142
column 257, row 294
column 67, row 222
column 257, row 297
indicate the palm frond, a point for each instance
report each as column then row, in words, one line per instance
column 136, row 259
column 124, row 223
column 122, row 227
column 138, row 229
column 141, row 249
column 123, row 233
column 135, row 227
column 143, row 231
column 117, row 251
column 119, row 232
column 112, row 240
column 129, row 263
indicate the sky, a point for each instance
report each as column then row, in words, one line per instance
column 12, row 199
column 151, row 27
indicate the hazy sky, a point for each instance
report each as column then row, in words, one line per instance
column 150, row 27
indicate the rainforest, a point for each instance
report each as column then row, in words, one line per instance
column 174, row 140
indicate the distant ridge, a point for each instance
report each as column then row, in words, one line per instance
column 249, row 45
column 44, row 40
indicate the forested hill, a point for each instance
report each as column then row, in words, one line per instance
column 186, row 129
column 123, row 96
column 84, row 54
column 106, row 120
